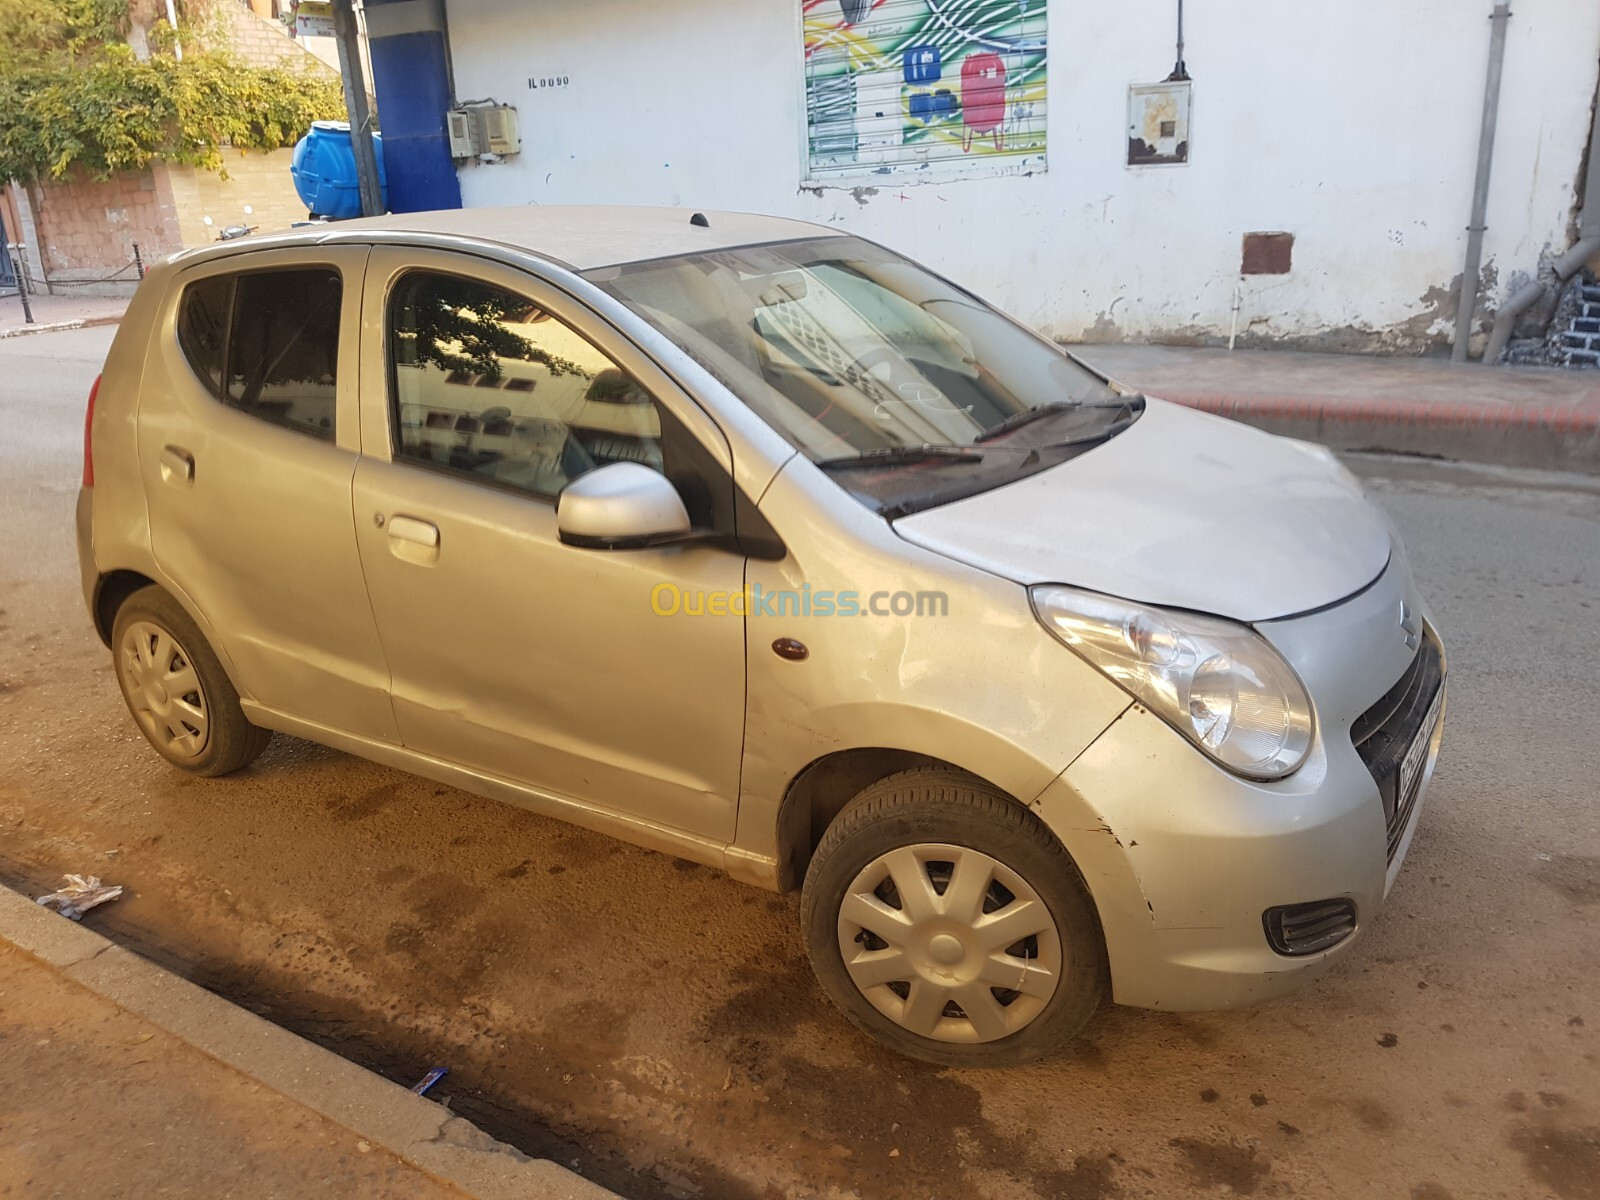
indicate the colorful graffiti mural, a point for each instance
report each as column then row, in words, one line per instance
column 897, row 87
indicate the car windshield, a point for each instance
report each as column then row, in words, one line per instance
column 909, row 391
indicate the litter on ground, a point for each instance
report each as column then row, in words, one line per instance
column 81, row 894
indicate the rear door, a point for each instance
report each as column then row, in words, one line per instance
column 249, row 433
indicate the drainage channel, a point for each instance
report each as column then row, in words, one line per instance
column 348, row 1031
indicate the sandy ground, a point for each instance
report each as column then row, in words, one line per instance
column 656, row 1024
column 77, row 1073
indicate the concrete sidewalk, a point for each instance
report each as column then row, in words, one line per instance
column 54, row 313
column 120, row 1079
column 1511, row 416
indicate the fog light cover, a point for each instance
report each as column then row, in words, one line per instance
column 1295, row 930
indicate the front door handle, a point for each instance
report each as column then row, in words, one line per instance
column 177, row 465
column 413, row 540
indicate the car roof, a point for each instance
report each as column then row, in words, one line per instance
column 579, row 236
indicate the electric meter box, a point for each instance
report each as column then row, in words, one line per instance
column 479, row 129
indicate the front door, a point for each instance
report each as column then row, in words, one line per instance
column 513, row 654
column 248, row 433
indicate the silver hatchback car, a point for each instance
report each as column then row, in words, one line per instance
column 763, row 546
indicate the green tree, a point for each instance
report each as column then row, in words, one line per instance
column 73, row 94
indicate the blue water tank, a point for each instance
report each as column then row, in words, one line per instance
column 324, row 171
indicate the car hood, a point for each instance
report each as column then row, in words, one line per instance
column 1182, row 509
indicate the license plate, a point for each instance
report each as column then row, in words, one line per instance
column 1417, row 756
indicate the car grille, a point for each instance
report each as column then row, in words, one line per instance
column 1296, row 929
column 1392, row 736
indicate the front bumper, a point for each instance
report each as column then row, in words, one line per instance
column 1183, row 858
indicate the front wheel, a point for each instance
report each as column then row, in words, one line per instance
column 946, row 921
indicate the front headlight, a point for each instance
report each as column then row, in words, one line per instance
column 1216, row 682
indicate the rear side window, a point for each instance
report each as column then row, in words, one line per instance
column 203, row 327
column 267, row 343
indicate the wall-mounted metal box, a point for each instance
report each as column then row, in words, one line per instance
column 479, row 129
column 459, row 122
column 1158, row 123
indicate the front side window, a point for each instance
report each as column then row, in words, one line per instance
column 487, row 383
column 267, row 343
column 908, row 390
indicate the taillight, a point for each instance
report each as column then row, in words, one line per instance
column 88, row 435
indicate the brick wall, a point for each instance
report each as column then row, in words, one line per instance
column 257, row 180
column 86, row 228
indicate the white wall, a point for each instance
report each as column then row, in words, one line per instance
column 1352, row 125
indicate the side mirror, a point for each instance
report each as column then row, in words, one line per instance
column 624, row 506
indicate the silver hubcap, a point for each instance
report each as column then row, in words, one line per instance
column 163, row 689
column 949, row 943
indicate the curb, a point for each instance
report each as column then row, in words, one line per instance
column 60, row 326
column 421, row 1133
column 1554, row 437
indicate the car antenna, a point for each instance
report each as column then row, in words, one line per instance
column 700, row 220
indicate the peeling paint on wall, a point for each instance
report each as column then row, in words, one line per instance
column 1427, row 329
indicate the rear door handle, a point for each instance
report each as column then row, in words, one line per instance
column 177, row 465
column 410, row 529
column 413, row 540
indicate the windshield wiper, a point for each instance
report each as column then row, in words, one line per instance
column 1029, row 415
column 889, row 456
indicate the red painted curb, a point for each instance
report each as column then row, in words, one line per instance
column 1580, row 418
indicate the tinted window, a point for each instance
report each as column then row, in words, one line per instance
column 283, row 348
column 489, row 384
column 203, row 327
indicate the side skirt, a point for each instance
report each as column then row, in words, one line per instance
column 746, row 867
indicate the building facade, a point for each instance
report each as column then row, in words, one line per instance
column 1039, row 151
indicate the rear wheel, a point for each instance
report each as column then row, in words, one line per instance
column 177, row 691
column 945, row 920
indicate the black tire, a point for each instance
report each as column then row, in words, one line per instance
column 228, row 741
column 941, row 806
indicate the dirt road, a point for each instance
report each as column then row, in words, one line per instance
column 655, row 1023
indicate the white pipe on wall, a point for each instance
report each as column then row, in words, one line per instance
column 1468, row 299
column 172, row 19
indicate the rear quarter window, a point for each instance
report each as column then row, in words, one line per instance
column 267, row 343
column 203, row 327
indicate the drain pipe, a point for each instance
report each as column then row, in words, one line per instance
column 1468, row 299
column 1570, row 263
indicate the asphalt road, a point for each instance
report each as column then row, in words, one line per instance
column 656, row 1024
